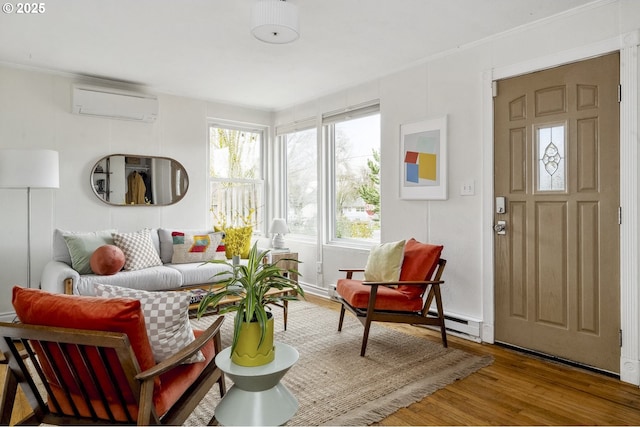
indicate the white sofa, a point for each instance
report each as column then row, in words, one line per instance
column 58, row 275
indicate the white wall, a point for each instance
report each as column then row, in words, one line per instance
column 452, row 85
column 35, row 113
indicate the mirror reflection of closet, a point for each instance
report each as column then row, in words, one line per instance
column 123, row 179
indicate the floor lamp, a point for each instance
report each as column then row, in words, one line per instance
column 29, row 169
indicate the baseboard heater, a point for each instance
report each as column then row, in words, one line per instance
column 464, row 328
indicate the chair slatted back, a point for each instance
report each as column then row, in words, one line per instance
column 86, row 374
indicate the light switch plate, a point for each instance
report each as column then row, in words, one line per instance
column 468, row 188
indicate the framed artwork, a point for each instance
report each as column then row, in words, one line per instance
column 423, row 158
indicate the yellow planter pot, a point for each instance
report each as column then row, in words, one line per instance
column 247, row 352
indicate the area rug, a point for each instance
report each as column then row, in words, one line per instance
column 334, row 385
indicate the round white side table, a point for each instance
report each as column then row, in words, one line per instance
column 257, row 396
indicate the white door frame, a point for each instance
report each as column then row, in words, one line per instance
column 627, row 44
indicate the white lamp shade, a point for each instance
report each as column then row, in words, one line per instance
column 29, row 169
column 275, row 21
column 279, row 226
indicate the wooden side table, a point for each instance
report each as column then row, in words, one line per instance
column 277, row 255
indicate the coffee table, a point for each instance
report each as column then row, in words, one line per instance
column 257, row 396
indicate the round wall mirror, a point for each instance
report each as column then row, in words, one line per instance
column 125, row 179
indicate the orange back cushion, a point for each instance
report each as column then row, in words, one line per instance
column 420, row 261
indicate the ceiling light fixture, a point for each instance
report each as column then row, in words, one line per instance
column 275, row 21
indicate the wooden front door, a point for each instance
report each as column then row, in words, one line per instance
column 557, row 258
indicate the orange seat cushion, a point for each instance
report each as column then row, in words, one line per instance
column 104, row 314
column 357, row 295
column 174, row 383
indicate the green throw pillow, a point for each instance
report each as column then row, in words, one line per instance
column 385, row 262
column 82, row 245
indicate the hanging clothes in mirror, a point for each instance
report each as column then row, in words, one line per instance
column 136, row 189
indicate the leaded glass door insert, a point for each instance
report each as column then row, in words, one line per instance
column 551, row 155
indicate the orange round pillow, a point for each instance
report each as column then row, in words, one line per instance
column 107, row 260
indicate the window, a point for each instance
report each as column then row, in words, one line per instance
column 354, row 144
column 235, row 176
column 302, row 181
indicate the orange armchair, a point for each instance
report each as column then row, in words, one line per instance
column 407, row 300
column 101, row 371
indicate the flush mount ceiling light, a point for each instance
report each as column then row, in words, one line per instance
column 275, row 21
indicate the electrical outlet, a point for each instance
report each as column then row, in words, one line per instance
column 319, row 267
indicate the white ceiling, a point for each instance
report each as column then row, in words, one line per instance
column 204, row 49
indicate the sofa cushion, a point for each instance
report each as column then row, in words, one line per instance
column 107, row 260
column 138, row 249
column 82, row 245
column 384, row 262
column 161, row 278
column 198, row 273
column 189, row 247
column 166, row 318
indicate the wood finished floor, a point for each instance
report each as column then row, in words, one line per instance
column 517, row 389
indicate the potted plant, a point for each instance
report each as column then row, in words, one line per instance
column 250, row 283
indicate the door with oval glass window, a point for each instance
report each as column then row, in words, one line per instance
column 556, row 164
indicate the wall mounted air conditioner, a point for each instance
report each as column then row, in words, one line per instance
column 114, row 103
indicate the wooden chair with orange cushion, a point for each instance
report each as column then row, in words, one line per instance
column 406, row 297
column 93, row 359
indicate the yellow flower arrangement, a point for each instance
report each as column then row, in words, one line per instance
column 237, row 240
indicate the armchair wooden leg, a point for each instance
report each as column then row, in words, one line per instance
column 342, row 310
column 443, row 329
column 285, row 307
column 367, row 320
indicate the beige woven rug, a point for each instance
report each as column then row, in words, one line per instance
column 334, row 385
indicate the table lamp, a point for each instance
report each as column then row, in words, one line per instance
column 278, row 228
column 29, row 169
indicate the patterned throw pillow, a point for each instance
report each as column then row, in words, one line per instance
column 138, row 250
column 166, row 316
column 384, row 262
column 194, row 247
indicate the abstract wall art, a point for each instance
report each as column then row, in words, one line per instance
column 423, row 159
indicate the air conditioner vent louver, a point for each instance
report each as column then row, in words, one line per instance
column 114, row 104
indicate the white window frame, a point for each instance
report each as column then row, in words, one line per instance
column 260, row 226
column 328, row 142
column 282, row 132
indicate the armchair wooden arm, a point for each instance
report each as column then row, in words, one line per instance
column 188, row 351
column 350, row 271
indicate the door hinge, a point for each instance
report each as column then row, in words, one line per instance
column 619, row 215
column 620, row 335
column 494, row 88
column 619, row 94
